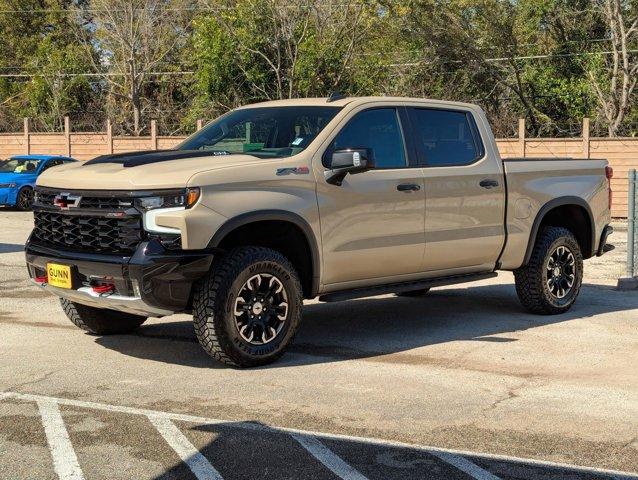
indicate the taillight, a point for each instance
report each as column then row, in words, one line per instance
column 609, row 173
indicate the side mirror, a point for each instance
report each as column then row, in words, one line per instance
column 349, row 160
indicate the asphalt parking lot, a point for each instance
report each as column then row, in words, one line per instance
column 459, row 384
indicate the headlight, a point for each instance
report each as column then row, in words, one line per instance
column 169, row 201
column 184, row 198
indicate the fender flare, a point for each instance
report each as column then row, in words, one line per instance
column 281, row 215
column 558, row 202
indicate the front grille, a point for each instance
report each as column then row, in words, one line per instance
column 97, row 234
column 45, row 198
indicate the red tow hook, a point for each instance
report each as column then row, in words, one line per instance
column 42, row 279
column 104, row 288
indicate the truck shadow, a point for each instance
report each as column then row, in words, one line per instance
column 383, row 328
column 251, row 449
column 11, row 247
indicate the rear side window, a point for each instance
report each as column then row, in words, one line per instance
column 379, row 130
column 445, row 137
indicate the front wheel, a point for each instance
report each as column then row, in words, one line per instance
column 100, row 321
column 247, row 309
column 24, row 199
column 549, row 284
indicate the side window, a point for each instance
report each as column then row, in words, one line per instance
column 52, row 163
column 378, row 130
column 445, row 137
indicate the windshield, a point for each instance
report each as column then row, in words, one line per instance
column 19, row 165
column 266, row 132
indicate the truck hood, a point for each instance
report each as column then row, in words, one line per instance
column 139, row 171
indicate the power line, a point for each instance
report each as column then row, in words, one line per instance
column 107, row 74
column 505, row 59
column 407, row 64
column 161, row 9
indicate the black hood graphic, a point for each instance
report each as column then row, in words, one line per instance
column 135, row 159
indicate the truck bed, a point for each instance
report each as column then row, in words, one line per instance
column 533, row 183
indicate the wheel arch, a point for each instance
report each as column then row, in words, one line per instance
column 550, row 213
column 285, row 219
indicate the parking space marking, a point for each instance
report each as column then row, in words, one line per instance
column 198, row 464
column 65, row 462
column 615, row 474
column 465, row 466
column 328, row 458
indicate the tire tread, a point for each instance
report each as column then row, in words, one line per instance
column 528, row 279
column 212, row 290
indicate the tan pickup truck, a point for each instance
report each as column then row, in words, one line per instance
column 282, row 201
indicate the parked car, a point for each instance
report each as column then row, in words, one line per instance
column 18, row 177
column 280, row 201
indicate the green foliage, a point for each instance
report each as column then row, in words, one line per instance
column 534, row 58
column 41, row 44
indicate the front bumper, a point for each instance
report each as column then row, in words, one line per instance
column 153, row 281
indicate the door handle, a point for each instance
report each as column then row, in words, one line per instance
column 488, row 183
column 408, row 187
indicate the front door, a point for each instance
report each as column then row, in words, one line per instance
column 372, row 226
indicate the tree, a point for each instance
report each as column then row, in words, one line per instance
column 36, row 40
column 615, row 83
column 249, row 50
column 135, row 38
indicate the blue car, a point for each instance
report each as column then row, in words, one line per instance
column 18, row 175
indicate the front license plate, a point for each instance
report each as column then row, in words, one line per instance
column 59, row 275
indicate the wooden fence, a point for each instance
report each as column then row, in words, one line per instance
column 622, row 153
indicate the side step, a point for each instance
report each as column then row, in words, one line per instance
column 403, row 287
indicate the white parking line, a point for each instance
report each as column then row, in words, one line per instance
column 198, row 464
column 65, row 462
column 328, row 458
column 463, row 464
column 618, row 475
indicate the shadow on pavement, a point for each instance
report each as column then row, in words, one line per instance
column 381, row 326
column 11, row 247
column 252, row 450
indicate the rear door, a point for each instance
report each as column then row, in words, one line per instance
column 372, row 226
column 464, row 190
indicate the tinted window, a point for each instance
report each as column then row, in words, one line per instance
column 266, row 132
column 445, row 137
column 52, row 163
column 19, row 165
column 378, row 130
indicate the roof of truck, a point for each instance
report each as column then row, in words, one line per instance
column 323, row 102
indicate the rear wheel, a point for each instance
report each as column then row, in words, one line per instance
column 247, row 310
column 99, row 321
column 24, row 200
column 413, row 293
column 549, row 284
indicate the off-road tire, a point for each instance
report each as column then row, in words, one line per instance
column 531, row 280
column 100, row 321
column 24, row 199
column 413, row 293
column 214, row 300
